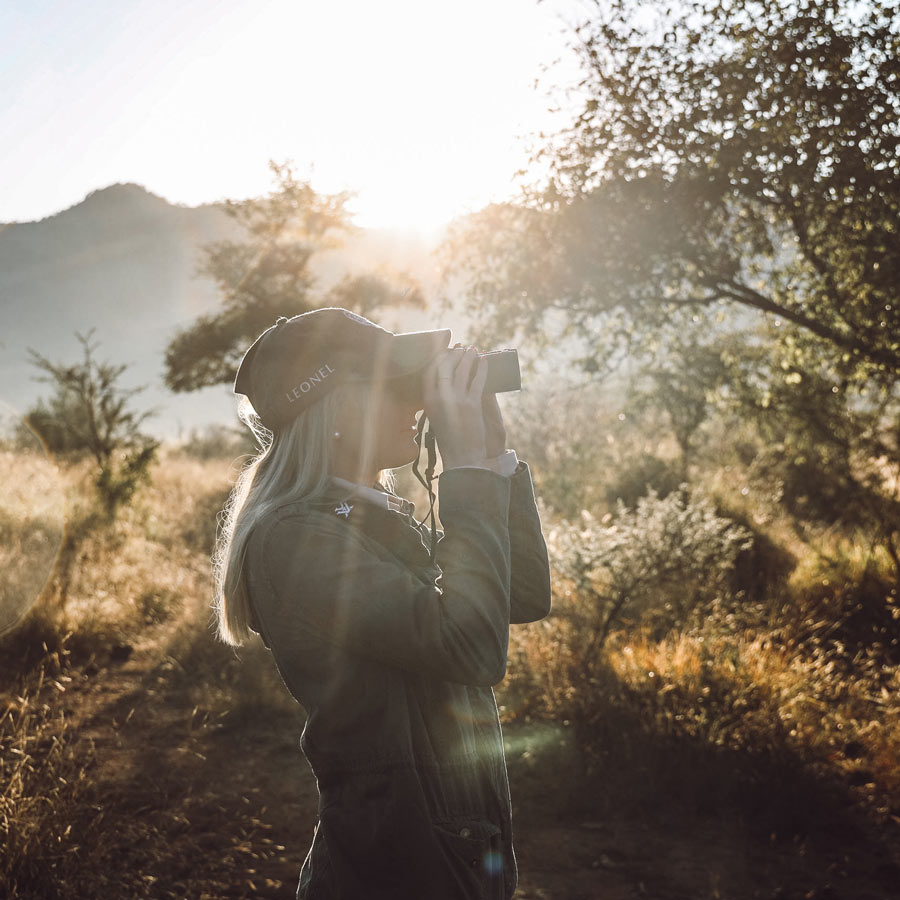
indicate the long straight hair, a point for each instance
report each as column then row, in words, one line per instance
column 293, row 464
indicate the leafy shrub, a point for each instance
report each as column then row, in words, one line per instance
column 660, row 561
column 88, row 413
column 658, row 565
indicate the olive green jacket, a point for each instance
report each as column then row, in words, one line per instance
column 393, row 657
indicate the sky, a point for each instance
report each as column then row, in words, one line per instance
column 425, row 110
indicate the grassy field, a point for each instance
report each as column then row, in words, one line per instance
column 744, row 753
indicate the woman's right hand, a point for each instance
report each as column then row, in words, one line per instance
column 454, row 387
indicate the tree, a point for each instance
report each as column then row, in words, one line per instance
column 267, row 275
column 722, row 213
column 89, row 412
column 726, row 154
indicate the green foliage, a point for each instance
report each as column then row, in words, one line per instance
column 661, row 561
column 831, row 451
column 89, row 413
column 685, row 380
column 725, row 153
column 118, row 482
column 719, row 224
column 268, row 275
column 366, row 293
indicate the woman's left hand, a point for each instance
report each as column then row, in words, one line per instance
column 494, row 429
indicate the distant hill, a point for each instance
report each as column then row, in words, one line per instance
column 123, row 262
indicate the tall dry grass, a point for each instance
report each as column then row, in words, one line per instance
column 43, row 813
column 120, row 584
column 787, row 696
column 32, row 518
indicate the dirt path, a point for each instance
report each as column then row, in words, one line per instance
column 192, row 797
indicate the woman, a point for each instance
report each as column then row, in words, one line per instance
column 390, row 645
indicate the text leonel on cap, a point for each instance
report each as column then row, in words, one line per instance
column 309, row 383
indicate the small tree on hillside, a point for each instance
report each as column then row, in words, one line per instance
column 88, row 413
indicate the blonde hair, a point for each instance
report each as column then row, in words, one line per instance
column 293, row 464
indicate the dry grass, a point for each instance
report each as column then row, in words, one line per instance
column 41, row 777
column 750, row 692
column 776, row 695
column 32, row 516
column 119, row 578
column 73, row 818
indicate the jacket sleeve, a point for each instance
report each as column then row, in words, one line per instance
column 530, row 567
column 328, row 580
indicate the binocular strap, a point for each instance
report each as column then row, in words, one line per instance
column 426, row 438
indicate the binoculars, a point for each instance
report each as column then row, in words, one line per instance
column 503, row 375
column 503, row 371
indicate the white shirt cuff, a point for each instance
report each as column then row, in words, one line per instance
column 504, row 464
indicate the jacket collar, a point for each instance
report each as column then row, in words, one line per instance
column 372, row 510
column 377, row 495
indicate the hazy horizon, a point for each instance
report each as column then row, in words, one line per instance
column 424, row 113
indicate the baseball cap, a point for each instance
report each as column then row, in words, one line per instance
column 298, row 361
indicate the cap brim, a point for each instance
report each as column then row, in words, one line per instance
column 414, row 350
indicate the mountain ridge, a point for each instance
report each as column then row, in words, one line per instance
column 124, row 261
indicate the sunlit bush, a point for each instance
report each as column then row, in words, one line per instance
column 650, row 648
column 659, row 566
column 659, row 562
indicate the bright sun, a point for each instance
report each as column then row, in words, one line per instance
column 421, row 109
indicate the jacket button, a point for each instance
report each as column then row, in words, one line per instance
column 473, row 863
column 465, row 832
